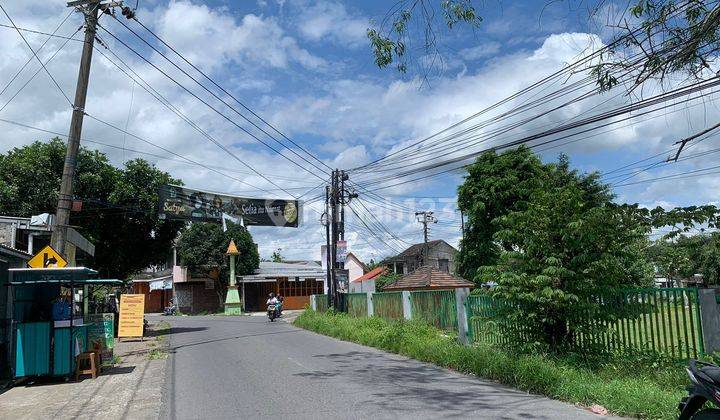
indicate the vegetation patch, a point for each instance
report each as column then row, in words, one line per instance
column 636, row 386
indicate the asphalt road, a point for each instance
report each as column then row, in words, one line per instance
column 249, row 368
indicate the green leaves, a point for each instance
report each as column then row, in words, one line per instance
column 551, row 238
column 390, row 40
column 119, row 212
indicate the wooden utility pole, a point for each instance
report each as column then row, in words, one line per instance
column 90, row 9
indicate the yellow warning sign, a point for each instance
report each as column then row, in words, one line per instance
column 132, row 313
column 47, row 258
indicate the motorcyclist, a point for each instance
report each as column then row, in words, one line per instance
column 281, row 301
column 273, row 301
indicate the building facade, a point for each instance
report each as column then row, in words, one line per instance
column 440, row 255
column 294, row 281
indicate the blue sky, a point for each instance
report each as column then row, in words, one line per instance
column 306, row 67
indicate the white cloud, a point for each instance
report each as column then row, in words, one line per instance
column 484, row 50
column 331, row 21
column 350, row 118
column 213, row 37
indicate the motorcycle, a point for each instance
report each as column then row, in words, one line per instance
column 272, row 312
column 705, row 386
column 170, row 310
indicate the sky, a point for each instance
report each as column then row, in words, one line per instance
column 306, row 68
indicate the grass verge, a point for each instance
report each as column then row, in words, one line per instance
column 626, row 389
column 159, row 347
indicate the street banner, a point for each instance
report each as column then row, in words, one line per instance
column 101, row 335
column 341, row 251
column 132, row 313
column 343, row 279
column 179, row 203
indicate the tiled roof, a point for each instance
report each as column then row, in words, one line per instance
column 371, row 274
column 428, row 278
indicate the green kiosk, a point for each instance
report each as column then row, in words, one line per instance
column 42, row 333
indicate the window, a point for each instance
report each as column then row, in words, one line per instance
column 444, row 265
column 399, row 268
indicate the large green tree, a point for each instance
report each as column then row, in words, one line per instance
column 202, row 247
column 550, row 237
column 119, row 210
column 498, row 184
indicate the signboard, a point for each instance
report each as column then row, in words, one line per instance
column 178, row 203
column 101, row 332
column 47, row 258
column 341, row 251
column 343, row 279
column 132, row 312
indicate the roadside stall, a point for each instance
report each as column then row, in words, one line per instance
column 48, row 318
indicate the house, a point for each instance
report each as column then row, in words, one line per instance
column 295, row 282
column 440, row 255
column 195, row 290
column 33, row 233
column 428, row 278
column 9, row 258
column 355, row 267
column 157, row 286
column 366, row 282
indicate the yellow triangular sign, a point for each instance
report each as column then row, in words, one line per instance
column 47, row 258
column 232, row 249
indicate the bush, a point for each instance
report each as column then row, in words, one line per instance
column 626, row 387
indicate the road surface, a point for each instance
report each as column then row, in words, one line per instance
column 249, row 368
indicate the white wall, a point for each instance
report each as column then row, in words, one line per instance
column 355, row 269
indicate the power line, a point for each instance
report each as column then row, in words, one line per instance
column 227, row 93
column 214, row 109
column 36, row 56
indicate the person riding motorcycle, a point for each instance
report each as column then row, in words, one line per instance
column 275, row 303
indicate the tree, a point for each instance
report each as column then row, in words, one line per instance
column 551, row 238
column 679, row 259
column 203, row 246
column 276, row 257
column 498, row 184
column 710, row 255
column 119, row 205
column 385, row 279
column 392, row 39
column 669, row 36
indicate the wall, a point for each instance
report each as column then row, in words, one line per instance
column 354, row 268
column 194, row 297
column 155, row 301
column 442, row 251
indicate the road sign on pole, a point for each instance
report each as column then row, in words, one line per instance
column 47, row 258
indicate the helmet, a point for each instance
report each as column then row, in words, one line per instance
column 272, row 294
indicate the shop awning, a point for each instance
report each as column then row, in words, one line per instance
column 66, row 275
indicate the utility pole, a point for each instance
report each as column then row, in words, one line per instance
column 337, row 196
column 90, row 9
column 328, row 259
column 62, row 216
column 425, row 217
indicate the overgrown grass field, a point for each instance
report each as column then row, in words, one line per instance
column 639, row 386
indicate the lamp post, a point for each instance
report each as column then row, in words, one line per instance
column 232, row 299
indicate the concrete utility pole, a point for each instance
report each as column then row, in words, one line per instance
column 337, row 196
column 328, row 240
column 425, row 217
column 90, row 9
